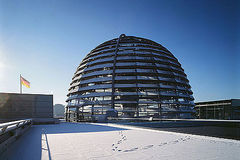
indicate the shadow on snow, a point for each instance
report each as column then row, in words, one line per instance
column 29, row 146
column 77, row 128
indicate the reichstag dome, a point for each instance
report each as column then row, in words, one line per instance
column 129, row 77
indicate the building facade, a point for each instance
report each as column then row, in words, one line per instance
column 222, row 109
column 21, row 106
column 130, row 77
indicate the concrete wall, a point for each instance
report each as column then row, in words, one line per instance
column 15, row 106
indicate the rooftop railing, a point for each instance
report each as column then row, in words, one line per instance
column 5, row 127
column 10, row 131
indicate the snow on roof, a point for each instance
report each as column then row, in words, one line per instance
column 111, row 141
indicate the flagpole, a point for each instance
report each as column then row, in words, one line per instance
column 20, row 85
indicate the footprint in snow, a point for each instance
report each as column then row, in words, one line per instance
column 130, row 150
column 176, row 141
column 147, row 147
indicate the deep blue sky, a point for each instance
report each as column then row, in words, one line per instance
column 45, row 40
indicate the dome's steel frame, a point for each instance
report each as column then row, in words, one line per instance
column 135, row 77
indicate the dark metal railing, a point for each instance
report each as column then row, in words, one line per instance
column 5, row 127
column 10, row 131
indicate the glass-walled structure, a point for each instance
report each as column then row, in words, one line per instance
column 220, row 109
column 130, row 77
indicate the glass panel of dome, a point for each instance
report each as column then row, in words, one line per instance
column 156, row 69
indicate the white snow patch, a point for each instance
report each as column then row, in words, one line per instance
column 67, row 141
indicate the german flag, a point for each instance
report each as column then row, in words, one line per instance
column 25, row 82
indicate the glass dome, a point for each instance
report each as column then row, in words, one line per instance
column 130, row 77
